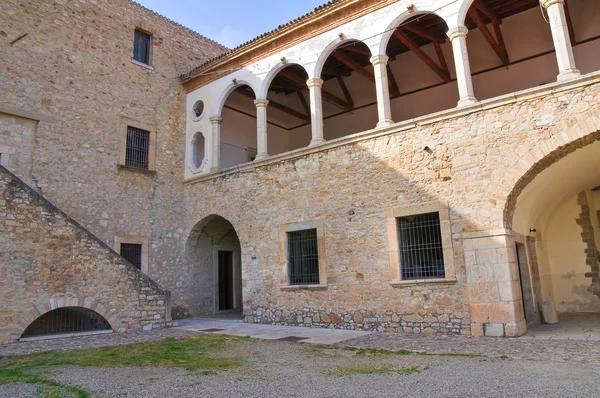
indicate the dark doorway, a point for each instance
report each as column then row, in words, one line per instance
column 226, row 281
column 526, row 291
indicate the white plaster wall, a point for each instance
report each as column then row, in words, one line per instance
column 566, row 259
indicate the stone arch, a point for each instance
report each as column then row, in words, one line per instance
column 273, row 73
column 389, row 31
column 210, row 236
column 463, row 9
column 218, row 109
column 90, row 303
column 557, row 151
column 322, row 59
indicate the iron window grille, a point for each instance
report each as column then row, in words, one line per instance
column 303, row 257
column 141, row 47
column 137, row 151
column 132, row 252
column 66, row 320
column 420, row 246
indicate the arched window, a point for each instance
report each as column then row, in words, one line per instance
column 67, row 320
column 198, row 150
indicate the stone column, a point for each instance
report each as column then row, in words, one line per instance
column 261, row 129
column 212, row 146
column 562, row 41
column 316, row 110
column 458, row 37
column 383, row 90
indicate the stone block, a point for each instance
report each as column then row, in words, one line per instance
column 493, row 329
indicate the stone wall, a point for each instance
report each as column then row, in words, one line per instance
column 48, row 261
column 74, row 68
column 476, row 158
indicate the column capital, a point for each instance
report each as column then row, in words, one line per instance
column 314, row 82
column 216, row 120
column 379, row 59
column 261, row 102
column 548, row 3
column 459, row 31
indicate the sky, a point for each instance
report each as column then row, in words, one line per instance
column 231, row 22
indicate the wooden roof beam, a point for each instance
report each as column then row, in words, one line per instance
column 485, row 10
column 345, row 90
column 276, row 105
column 394, row 90
column 327, row 96
column 423, row 33
column 358, row 68
column 497, row 45
column 414, row 47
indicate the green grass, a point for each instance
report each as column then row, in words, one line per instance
column 374, row 351
column 367, row 369
column 196, row 353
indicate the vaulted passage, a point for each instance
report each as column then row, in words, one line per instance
column 557, row 218
column 214, row 253
column 65, row 321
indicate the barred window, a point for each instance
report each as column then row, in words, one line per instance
column 141, row 47
column 303, row 257
column 420, row 246
column 138, row 148
column 132, row 252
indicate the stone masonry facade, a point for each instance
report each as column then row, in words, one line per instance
column 478, row 157
column 67, row 87
column 48, row 261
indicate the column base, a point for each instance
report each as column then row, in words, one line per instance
column 261, row 156
column 467, row 101
column 213, row 169
column 568, row 75
column 384, row 123
column 317, row 142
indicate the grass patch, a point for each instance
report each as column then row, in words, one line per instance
column 374, row 351
column 372, row 370
column 503, row 357
column 201, row 352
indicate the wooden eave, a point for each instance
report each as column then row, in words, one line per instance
column 282, row 38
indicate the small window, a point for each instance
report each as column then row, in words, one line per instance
column 137, row 152
column 141, row 47
column 132, row 252
column 420, row 246
column 303, row 257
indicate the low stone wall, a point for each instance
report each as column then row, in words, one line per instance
column 48, row 261
column 389, row 321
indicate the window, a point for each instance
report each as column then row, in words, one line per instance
column 133, row 249
column 303, row 257
column 132, row 252
column 138, row 148
column 141, row 47
column 420, row 246
column 137, row 143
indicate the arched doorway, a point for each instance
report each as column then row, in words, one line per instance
column 213, row 250
column 555, row 214
column 66, row 320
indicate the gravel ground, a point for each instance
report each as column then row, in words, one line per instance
column 284, row 369
column 532, row 368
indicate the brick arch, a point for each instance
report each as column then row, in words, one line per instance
column 555, row 150
column 89, row 303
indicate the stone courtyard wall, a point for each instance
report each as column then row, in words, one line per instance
column 72, row 68
column 48, row 261
column 471, row 159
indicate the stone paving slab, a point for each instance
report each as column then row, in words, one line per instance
column 270, row 332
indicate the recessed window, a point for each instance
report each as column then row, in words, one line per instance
column 303, row 257
column 132, row 252
column 142, row 46
column 420, row 246
column 198, row 109
column 137, row 152
column 198, row 150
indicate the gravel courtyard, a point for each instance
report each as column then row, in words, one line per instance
column 378, row 365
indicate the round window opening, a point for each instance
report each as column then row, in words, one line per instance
column 198, row 109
